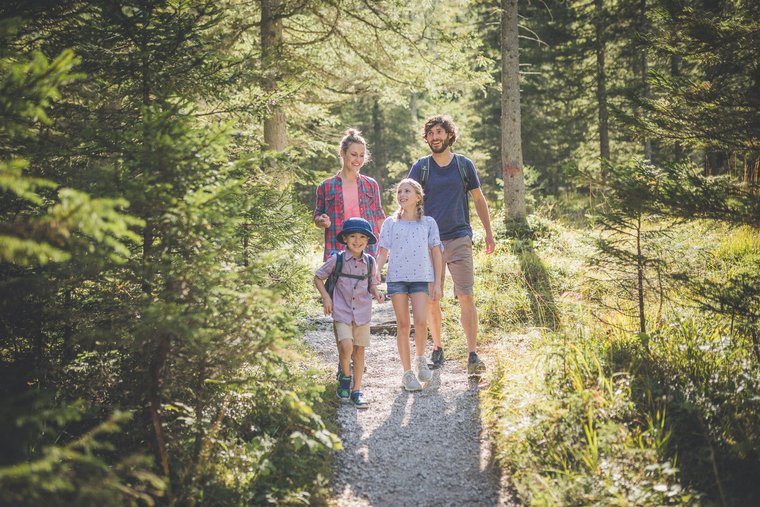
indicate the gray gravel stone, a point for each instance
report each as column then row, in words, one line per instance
column 411, row 449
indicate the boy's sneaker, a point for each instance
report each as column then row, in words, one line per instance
column 344, row 387
column 423, row 373
column 358, row 399
column 475, row 366
column 436, row 358
column 409, row 382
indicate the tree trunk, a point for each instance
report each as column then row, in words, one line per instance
column 157, row 362
column 379, row 151
column 413, row 110
column 640, row 278
column 275, row 125
column 155, row 373
column 511, row 136
column 675, row 70
column 645, row 75
column 601, row 86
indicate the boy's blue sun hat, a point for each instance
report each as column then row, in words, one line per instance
column 356, row 224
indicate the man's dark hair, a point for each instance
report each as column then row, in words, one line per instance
column 444, row 121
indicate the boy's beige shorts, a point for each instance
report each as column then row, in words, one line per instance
column 359, row 334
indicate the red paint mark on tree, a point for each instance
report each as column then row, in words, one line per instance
column 511, row 170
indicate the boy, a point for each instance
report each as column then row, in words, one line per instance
column 351, row 304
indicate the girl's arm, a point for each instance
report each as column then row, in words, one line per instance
column 437, row 256
column 373, row 284
column 327, row 303
column 382, row 258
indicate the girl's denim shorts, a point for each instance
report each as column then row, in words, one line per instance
column 406, row 288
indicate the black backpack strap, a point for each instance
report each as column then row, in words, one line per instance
column 370, row 263
column 339, row 263
column 336, row 273
column 425, row 170
column 462, row 168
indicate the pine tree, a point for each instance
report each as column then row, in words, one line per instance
column 627, row 257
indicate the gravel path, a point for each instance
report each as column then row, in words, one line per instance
column 411, row 449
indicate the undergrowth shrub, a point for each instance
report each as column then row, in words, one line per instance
column 276, row 448
column 711, row 381
column 584, row 441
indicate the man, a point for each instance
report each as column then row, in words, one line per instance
column 448, row 179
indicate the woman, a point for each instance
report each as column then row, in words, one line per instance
column 348, row 194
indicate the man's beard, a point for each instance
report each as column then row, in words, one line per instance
column 445, row 144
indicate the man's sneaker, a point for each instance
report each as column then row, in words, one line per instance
column 409, row 382
column 423, row 373
column 436, row 358
column 475, row 366
column 344, row 387
column 358, row 399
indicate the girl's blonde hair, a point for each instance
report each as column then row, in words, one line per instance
column 418, row 189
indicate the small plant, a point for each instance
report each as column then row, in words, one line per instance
column 627, row 256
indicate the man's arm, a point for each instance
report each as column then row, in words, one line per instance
column 481, row 207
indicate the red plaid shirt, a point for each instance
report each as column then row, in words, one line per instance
column 330, row 202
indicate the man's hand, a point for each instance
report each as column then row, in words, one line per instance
column 490, row 244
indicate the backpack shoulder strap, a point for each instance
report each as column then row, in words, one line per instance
column 462, row 167
column 339, row 269
column 339, row 263
column 425, row 170
column 370, row 264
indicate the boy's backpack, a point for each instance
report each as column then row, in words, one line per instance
column 460, row 163
column 337, row 272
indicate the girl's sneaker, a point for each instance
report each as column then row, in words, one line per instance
column 437, row 357
column 423, row 372
column 409, row 382
column 358, row 399
column 344, row 387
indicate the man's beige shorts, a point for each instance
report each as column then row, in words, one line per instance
column 457, row 255
column 359, row 334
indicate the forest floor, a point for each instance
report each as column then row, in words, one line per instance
column 428, row 448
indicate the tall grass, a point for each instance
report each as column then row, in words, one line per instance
column 588, row 412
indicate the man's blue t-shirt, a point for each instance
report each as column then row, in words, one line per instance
column 445, row 198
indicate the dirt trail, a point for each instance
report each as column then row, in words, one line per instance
column 411, row 449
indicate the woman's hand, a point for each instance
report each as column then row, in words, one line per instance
column 323, row 221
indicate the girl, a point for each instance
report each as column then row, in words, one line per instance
column 414, row 272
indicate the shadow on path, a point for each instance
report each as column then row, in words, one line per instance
column 538, row 286
column 427, row 450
